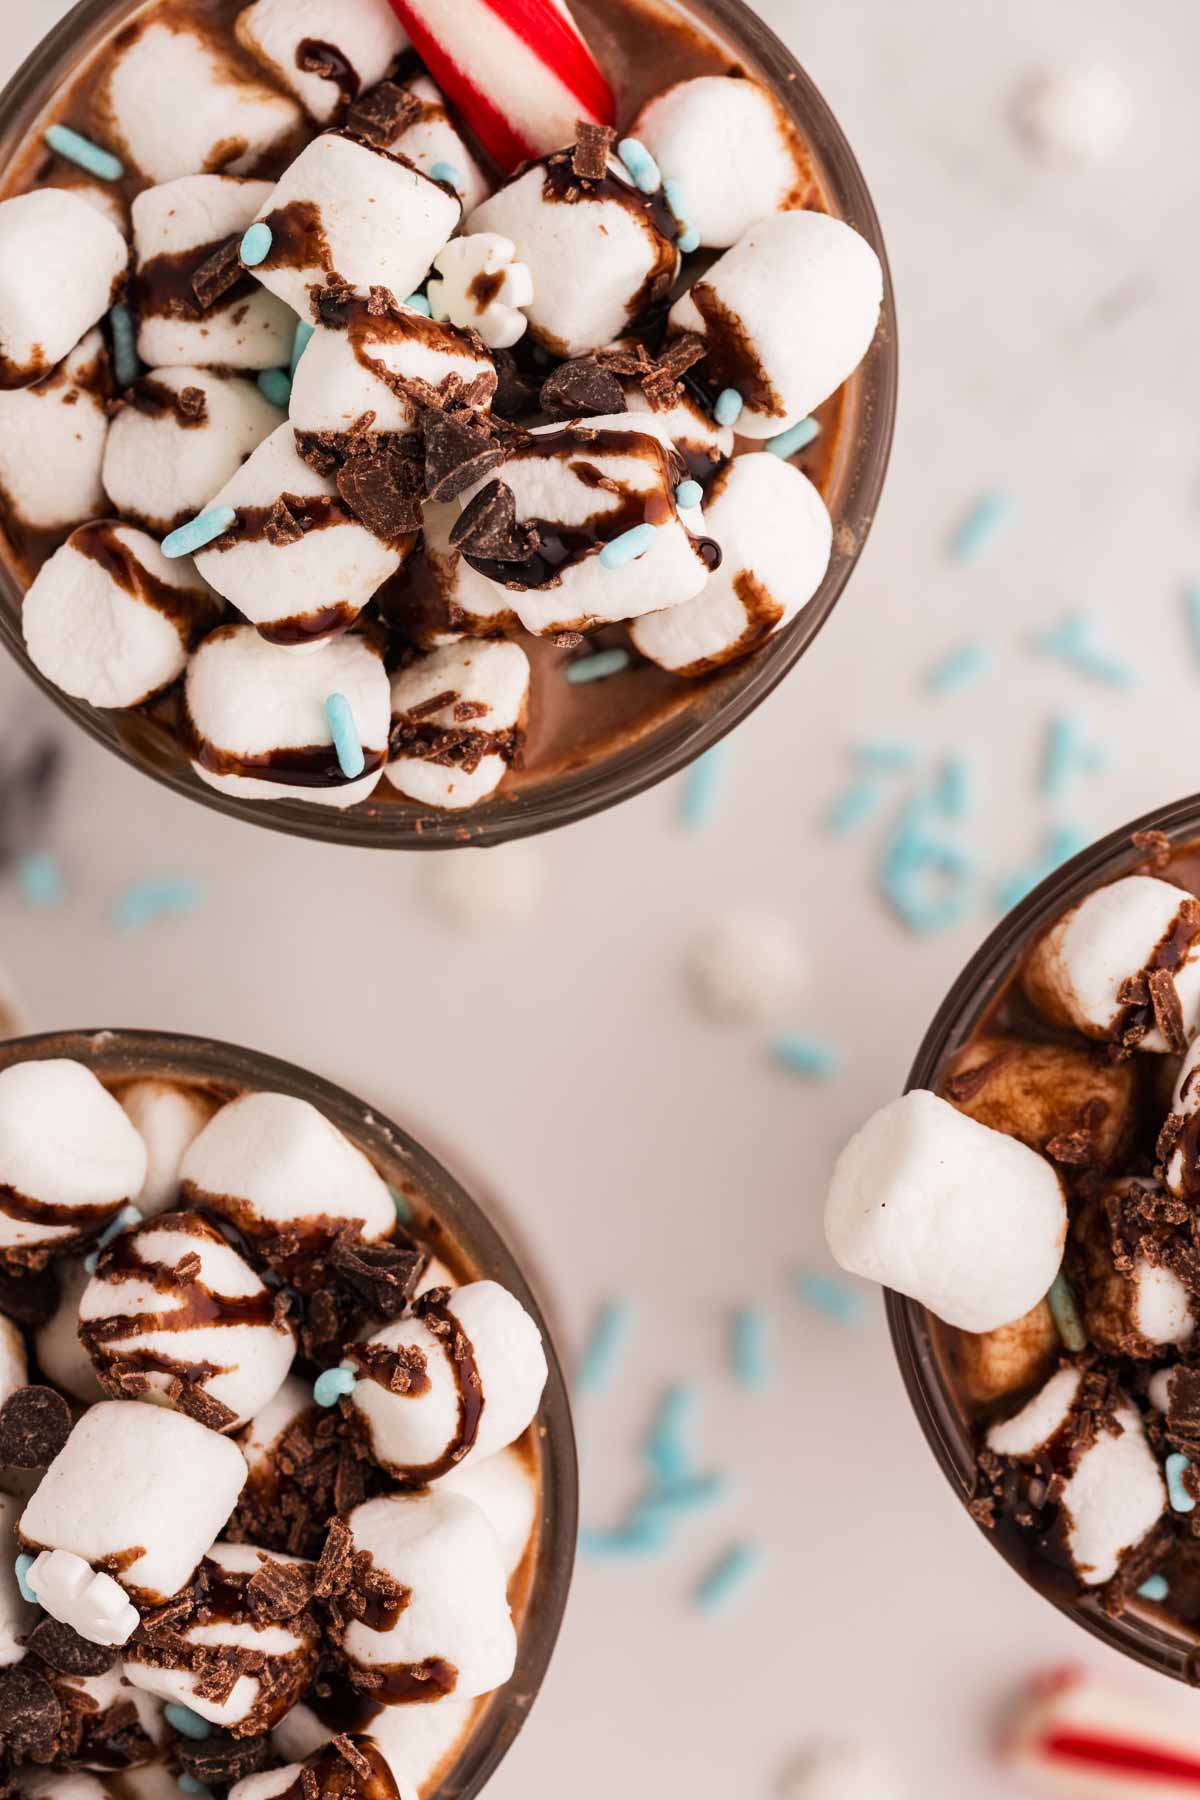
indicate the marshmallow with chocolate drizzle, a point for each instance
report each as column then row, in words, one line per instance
column 52, row 439
column 458, row 717
column 325, row 51
column 384, row 361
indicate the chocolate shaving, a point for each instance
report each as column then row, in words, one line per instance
column 488, row 528
column 581, row 389
column 457, row 455
column 29, row 1300
column 593, row 143
column 383, row 304
column 30, row 1714
column 383, row 490
column 322, row 1333
column 1168, row 1013
column 1157, row 845
column 1183, row 1408
column 332, row 303
column 278, row 1591
column 321, row 450
column 191, row 406
column 200, row 1405
column 403, row 1370
column 214, row 278
column 351, row 1754
column 188, row 1268
column 61, row 1648
column 334, row 1569
column 35, row 1423
column 218, row 1761
column 349, row 1482
column 385, row 1276
column 310, row 1786
column 382, row 113
column 283, row 527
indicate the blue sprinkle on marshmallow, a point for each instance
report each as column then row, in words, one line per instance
column 1175, row 1468
column 790, row 443
column 453, row 177
column 257, row 244
column 346, row 741
column 21, row 1569
column 334, row 1385
column 419, row 304
column 205, row 529
column 187, row 1723
column 628, row 547
column 689, row 495
column 645, row 172
column 275, row 386
column 729, row 408
column 305, row 334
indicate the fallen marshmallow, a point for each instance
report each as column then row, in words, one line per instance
column 455, row 1635
column 429, row 138
column 748, row 965
column 61, row 1356
column 17, row 1616
column 1133, row 1302
column 168, row 1117
column 788, row 314
column 505, row 1490
column 173, row 103
column 295, row 562
column 325, row 54
column 1076, row 1738
column 52, row 439
column 476, row 1370
column 346, row 210
column 991, row 1364
column 1122, row 963
column 1081, row 115
column 361, row 366
column 61, row 267
column 108, row 1735
column 1048, row 1094
column 189, row 312
column 733, row 150
column 257, row 724
column 776, row 540
column 110, row 620
column 841, row 1772
column 1181, row 1137
column 963, row 1219
column 454, row 754
column 485, row 890
column 90, row 1602
column 69, row 1158
column 177, row 438
column 482, row 287
column 141, row 1488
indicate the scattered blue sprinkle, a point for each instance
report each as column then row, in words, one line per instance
column 40, row 879
column 1175, row 1467
column 688, row 495
column 205, row 529
column 728, row 1577
column 305, row 334
column 688, row 241
column 954, row 791
column 674, row 1489
column 646, row 174
column 667, row 1454
column 597, row 667
column 689, row 238
column 1069, row 1325
column 127, row 1217
column 1155, row 1587
column 275, row 386
column 702, row 788
column 418, row 303
column 346, row 740
column 21, row 1569
column 187, row 1723
column 628, row 547
column 958, row 668
column 925, row 879
column 826, row 1294
column 983, row 527
column 334, row 1384
column 729, row 408
column 452, row 176
column 402, row 1204
column 887, row 756
column 188, row 1784
column 256, row 245
column 126, row 367
column 1072, row 643
column 860, row 802
column 80, row 150
column 91, row 1261
column 790, row 443
column 602, row 1353
column 159, row 898
column 750, row 1348
column 808, row 1057
column 1067, row 753
column 1191, row 601
column 1062, row 843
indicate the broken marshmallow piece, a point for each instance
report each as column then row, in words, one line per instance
column 466, row 600
column 52, row 439
column 1057, row 1098
column 991, row 1364
column 257, row 724
column 963, row 1219
column 238, row 1616
column 561, row 226
column 91, row 1603
column 174, row 103
column 296, row 561
column 61, row 1356
column 168, row 1117
column 17, row 1616
column 1133, row 1301
column 505, row 1490
column 178, row 436
column 140, row 1488
column 110, row 620
column 1179, row 1145
column 458, row 717
column 348, row 211
column 1123, row 965
column 729, row 144
column 175, row 1315
column 454, row 1633
column 195, row 305
column 787, row 314
column 776, row 540
column 362, row 365
column 482, row 287
column 61, row 268
column 429, row 138
column 1076, row 1738
column 325, row 54
column 69, row 1158
column 475, row 1370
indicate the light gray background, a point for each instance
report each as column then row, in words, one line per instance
column 1048, row 329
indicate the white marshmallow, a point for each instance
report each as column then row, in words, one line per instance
column 61, row 267
column 749, row 965
column 797, row 298
column 471, row 602
column 14, row 1364
column 432, row 138
column 1129, row 1311
column 441, row 1548
column 967, row 1221
column 1162, row 1308
column 59, row 1352
column 1183, row 1165
column 485, row 890
column 506, row 1492
column 17, row 1617
column 695, row 434
column 482, row 286
column 841, row 1772
column 1068, row 1713
column 1078, row 115
column 110, row 620
column 135, row 1477
column 365, row 216
column 52, row 439
column 384, row 1781
column 68, row 1155
column 168, row 1117
column 91, row 1603
column 776, row 540
column 444, row 763
column 733, row 149
column 418, row 1740
column 312, row 587
column 1159, row 1390
column 63, row 1784
column 163, row 461
column 437, row 1275
column 97, row 1696
column 101, row 196
column 411, row 1433
column 344, row 375
column 607, row 231
column 1113, row 1500
column 365, row 34
column 299, row 1733
column 261, row 1439
column 177, row 227
column 1031, row 1429
column 174, row 104
column 1076, row 971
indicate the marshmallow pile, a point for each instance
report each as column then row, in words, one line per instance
column 264, row 1489
column 320, row 374
column 1044, row 1206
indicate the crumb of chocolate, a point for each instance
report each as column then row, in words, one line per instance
column 30, row 1713
column 321, row 450
column 191, row 404
column 1157, row 846
column 1183, row 1409
column 214, row 278
column 582, row 389
column 382, row 303
column 382, row 113
column 63, row 1649
column 349, row 1482
column 385, row 1276
column 487, row 528
column 35, row 1423
column 322, row 1331
column 963, row 1088
column 1076, row 1149
column 283, row 527
column 457, row 455
column 331, row 304
column 590, row 154
column 567, row 640
column 383, row 490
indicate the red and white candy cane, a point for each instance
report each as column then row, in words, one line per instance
column 519, row 71
column 1075, row 1738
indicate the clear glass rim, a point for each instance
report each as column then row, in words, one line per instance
column 119, row 1054
column 566, row 799
column 1174, row 1652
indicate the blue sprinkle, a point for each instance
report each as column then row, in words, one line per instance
column 256, row 245
column 628, row 547
column 126, row 367
column 187, row 1723
column 305, row 334
column 40, row 879
column 419, row 304
column 805, row 1056
column 69, row 144
column 667, row 1454
column 647, row 176
column 1175, row 1468
column 749, row 1349
column 1061, row 1300
column 188, row 1784
column 444, row 171
column 275, row 385
column 609, row 1335
column 128, row 1215
column 598, row 667
column 205, row 529
column 402, row 1204
column 727, row 1578
column 1191, row 600
column 346, row 740
column 689, row 238
column 954, row 794
column 330, row 1387
column 689, row 494
column 1063, row 842
column 21, row 1569
column 91, row 1261
column 1155, row 1587
column 886, row 757
column 703, row 785
column 641, row 1535
column 790, row 443
column 854, row 807
column 729, row 408
column 161, row 897
column 1071, row 642
column 958, row 668
column 925, row 879
column 826, row 1294
column 1067, row 753
column 982, row 527
column 688, row 241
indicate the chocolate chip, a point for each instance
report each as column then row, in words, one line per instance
column 214, row 278
column 457, row 455
column 220, row 1761
column 589, row 157
column 514, row 395
column 382, row 113
column 30, row 1715
column 385, row 1276
column 488, row 528
column 582, row 389
column 64, row 1650
column 28, row 1300
column 383, row 491
column 35, row 1423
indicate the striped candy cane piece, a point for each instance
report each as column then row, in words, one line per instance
column 1078, row 1739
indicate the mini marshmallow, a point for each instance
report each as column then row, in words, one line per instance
column 480, row 891
column 293, row 39
column 360, row 214
column 104, row 1701
column 1183, row 1158
column 91, row 1603
column 506, row 1492
column 1038, row 1092
column 701, row 442
column 178, row 437
column 418, row 1740
column 1041, row 1419
column 168, row 1117
column 432, row 138
column 991, row 1364
column 175, row 1671
column 101, row 196
column 841, row 1772
column 52, row 439
column 1139, row 1306
column 257, row 722
column 748, row 965
column 436, row 1425
column 61, row 1356
column 458, row 754
column 140, row 1487
column 110, row 620
column 1118, row 934
column 327, row 1775
column 14, row 1364
column 607, row 232
column 347, row 373
column 732, row 148
column 69, row 1158
column 482, row 286
column 296, row 562
column 788, row 313
column 17, row 1617
column 178, row 227
column 174, row 104
column 467, row 601
column 1077, row 115
column 440, row 1548
column 967, row 1221
column 149, row 1328
column 1075, row 1738
column 61, row 268
column 776, row 540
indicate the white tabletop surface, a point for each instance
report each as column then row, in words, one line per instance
column 1050, row 350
